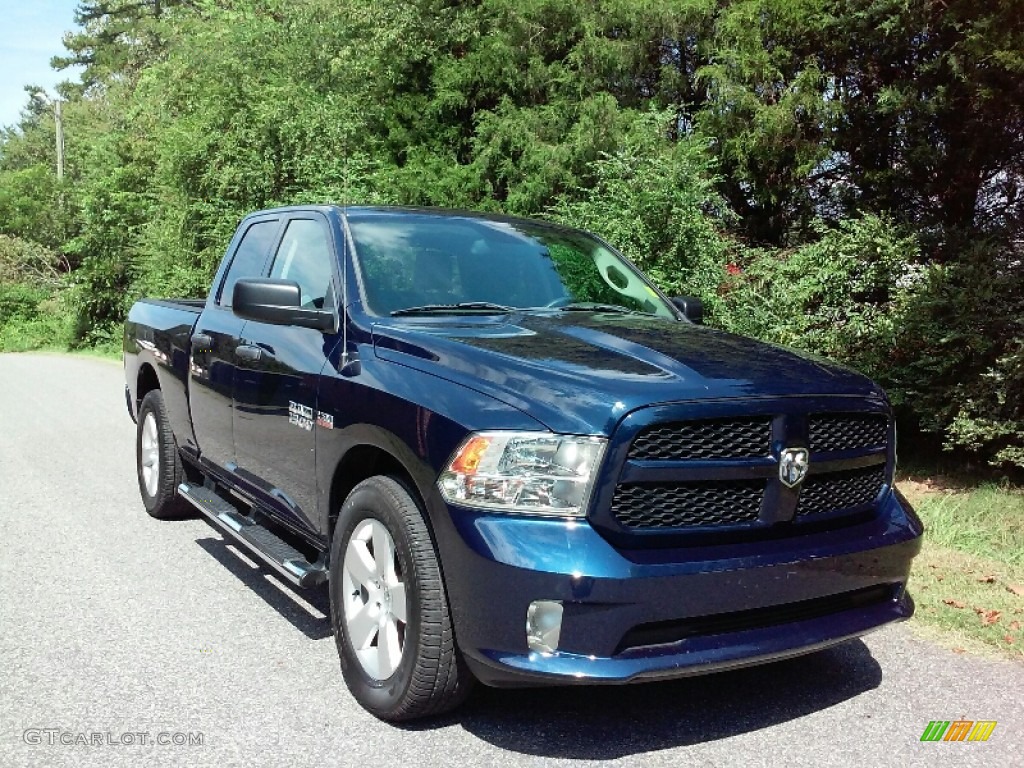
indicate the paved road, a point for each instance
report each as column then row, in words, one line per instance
column 116, row 624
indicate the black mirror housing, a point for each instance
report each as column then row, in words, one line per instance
column 691, row 307
column 268, row 300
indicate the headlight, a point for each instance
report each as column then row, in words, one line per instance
column 534, row 472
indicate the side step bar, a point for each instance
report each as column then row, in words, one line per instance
column 264, row 543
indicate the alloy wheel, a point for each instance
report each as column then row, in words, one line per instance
column 375, row 599
column 150, row 456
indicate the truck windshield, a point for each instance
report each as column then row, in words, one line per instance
column 413, row 263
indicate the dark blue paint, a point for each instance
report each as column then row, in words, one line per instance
column 566, row 369
column 414, row 387
column 699, row 656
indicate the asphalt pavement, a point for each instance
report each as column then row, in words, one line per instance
column 129, row 641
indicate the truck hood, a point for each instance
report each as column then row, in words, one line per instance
column 582, row 372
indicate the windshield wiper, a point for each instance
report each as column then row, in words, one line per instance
column 589, row 306
column 465, row 306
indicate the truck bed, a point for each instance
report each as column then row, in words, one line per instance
column 164, row 328
column 195, row 305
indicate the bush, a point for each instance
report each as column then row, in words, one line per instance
column 991, row 420
column 19, row 302
column 655, row 200
column 962, row 366
column 27, row 262
column 30, row 204
column 839, row 296
column 33, row 318
column 945, row 340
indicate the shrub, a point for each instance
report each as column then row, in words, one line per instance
column 839, row 296
column 655, row 200
column 963, row 367
column 33, row 318
column 28, row 262
column 945, row 340
column 19, row 301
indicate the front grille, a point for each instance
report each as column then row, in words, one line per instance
column 727, row 469
column 847, row 431
column 711, row 439
column 664, row 632
column 687, row 505
column 847, row 489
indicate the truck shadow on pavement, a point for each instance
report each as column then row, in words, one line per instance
column 608, row 722
column 293, row 605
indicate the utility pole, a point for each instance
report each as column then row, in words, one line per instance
column 59, row 120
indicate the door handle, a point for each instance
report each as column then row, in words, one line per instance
column 202, row 342
column 249, row 353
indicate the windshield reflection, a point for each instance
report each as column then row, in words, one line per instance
column 452, row 264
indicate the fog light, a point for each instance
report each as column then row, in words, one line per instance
column 543, row 625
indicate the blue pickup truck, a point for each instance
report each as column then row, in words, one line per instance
column 512, row 459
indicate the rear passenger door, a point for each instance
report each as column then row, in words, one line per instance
column 213, row 361
column 275, row 417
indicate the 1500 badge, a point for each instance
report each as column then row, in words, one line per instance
column 302, row 416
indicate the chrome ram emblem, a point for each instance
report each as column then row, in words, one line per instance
column 793, row 466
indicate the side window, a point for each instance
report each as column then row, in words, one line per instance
column 305, row 256
column 249, row 258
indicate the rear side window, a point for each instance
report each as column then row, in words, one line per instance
column 249, row 258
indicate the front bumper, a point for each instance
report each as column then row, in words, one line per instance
column 496, row 565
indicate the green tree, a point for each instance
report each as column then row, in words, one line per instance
column 841, row 176
column 115, row 40
column 910, row 107
column 656, row 200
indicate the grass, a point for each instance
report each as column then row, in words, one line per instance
column 20, row 334
column 49, row 326
column 969, row 579
column 104, row 352
column 100, row 353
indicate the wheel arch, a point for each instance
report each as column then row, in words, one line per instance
column 375, row 451
column 145, row 382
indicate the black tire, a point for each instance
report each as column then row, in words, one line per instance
column 431, row 677
column 164, row 503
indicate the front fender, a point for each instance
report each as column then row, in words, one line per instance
column 421, row 437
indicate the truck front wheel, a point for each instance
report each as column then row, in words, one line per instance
column 389, row 611
column 157, row 461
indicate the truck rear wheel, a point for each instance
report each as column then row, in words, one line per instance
column 389, row 611
column 157, row 461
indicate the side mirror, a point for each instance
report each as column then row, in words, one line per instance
column 691, row 307
column 278, row 302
